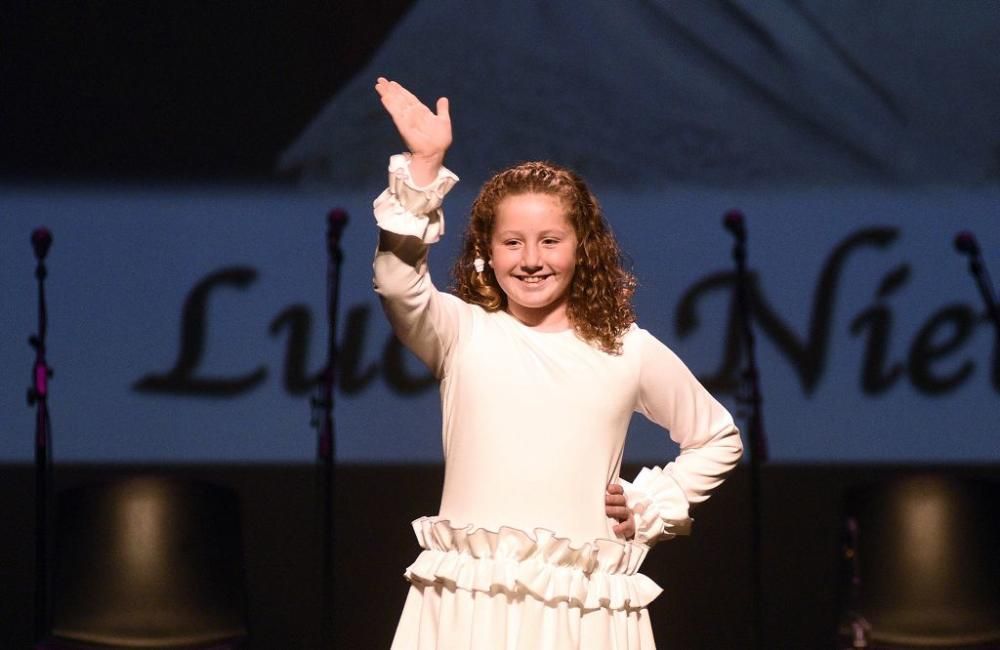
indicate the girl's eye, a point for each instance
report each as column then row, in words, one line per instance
column 549, row 241
column 510, row 243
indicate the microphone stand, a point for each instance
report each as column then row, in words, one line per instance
column 858, row 628
column 966, row 243
column 322, row 419
column 750, row 393
column 41, row 240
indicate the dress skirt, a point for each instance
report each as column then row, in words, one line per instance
column 475, row 589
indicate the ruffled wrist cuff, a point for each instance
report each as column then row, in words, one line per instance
column 659, row 507
column 406, row 208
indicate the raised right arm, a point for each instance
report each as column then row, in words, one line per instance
column 410, row 218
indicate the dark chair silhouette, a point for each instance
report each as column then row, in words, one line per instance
column 926, row 560
column 148, row 562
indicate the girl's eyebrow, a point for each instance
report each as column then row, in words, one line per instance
column 544, row 233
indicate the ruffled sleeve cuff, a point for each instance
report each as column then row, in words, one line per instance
column 406, row 208
column 659, row 507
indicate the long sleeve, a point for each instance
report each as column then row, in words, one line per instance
column 410, row 218
column 710, row 445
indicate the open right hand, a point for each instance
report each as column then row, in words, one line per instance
column 616, row 507
column 427, row 135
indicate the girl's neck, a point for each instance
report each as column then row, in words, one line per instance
column 542, row 320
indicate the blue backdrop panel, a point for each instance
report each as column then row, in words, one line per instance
column 872, row 343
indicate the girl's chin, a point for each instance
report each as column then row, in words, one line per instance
column 532, row 301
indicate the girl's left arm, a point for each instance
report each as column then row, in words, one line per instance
column 710, row 444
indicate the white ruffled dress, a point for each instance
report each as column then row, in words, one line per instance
column 521, row 555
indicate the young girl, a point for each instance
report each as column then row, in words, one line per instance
column 541, row 367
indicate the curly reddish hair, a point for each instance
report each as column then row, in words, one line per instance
column 600, row 294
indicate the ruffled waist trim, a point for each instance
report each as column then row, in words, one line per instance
column 603, row 573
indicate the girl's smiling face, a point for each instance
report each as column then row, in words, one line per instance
column 533, row 255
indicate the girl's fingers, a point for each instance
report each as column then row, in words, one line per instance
column 442, row 108
column 625, row 530
column 615, row 500
column 403, row 93
column 619, row 513
column 392, row 93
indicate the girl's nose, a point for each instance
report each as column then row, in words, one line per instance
column 530, row 258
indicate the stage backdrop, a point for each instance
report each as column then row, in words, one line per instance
column 188, row 324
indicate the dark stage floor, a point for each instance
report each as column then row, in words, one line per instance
column 706, row 601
